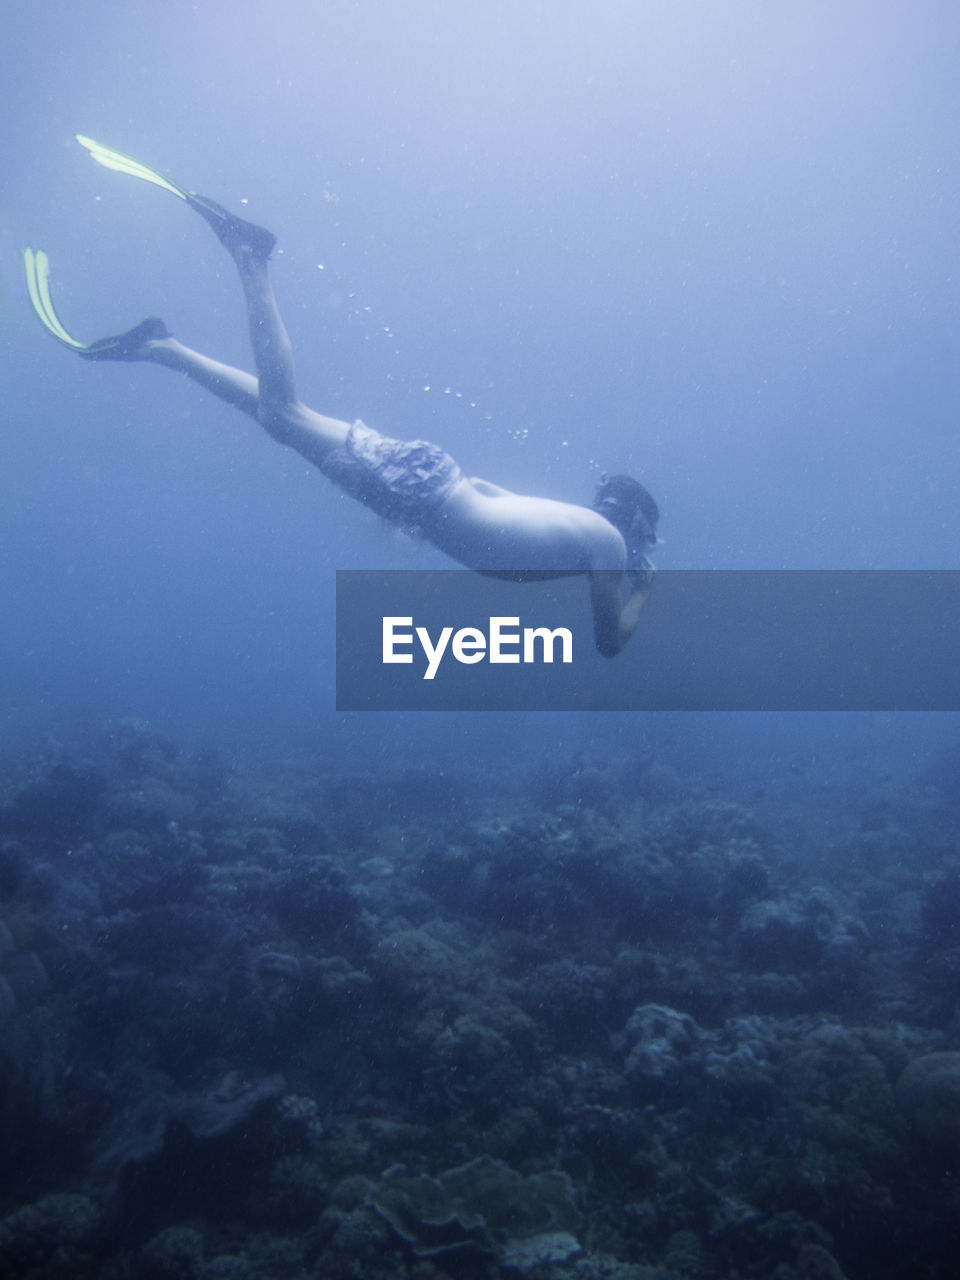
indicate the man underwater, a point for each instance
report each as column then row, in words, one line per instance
column 411, row 483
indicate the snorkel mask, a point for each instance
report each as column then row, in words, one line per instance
column 631, row 509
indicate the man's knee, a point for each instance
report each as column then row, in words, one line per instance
column 278, row 421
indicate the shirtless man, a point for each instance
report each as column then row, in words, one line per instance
column 412, row 483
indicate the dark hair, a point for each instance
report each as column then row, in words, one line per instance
column 630, row 508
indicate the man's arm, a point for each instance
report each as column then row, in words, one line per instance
column 615, row 618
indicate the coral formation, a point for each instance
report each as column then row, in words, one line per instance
column 482, row 1205
column 256, row 1028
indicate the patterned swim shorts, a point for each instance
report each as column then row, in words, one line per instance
column 405, row 481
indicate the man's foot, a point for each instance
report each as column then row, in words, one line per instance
column 233, row 232
column 126, row 346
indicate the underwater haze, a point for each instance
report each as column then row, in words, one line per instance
column 287, row 992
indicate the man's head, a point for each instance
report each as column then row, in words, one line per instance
column 630, row 509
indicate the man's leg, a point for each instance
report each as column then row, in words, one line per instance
column 279, row 408
column 229, row 384
column 272, row 349
column 312, row 434
column 271, row 398
column 250, row 247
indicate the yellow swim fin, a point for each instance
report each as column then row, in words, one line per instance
column 126, row 164
column 36, row 264
column 122, row 346
column 230, row 230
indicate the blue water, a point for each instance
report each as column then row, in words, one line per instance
column 713, row 246
column 710, row 244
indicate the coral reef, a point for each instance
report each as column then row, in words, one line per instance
column 610, row 1024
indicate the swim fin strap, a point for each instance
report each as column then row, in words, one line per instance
column 36, row 264
column 126, row 164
